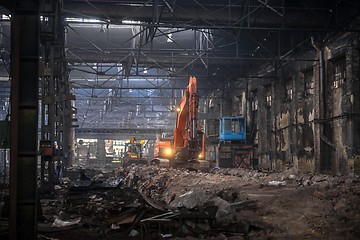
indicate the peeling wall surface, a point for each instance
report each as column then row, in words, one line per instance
column 308, row 123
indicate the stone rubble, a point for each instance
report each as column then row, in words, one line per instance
column 222, row 203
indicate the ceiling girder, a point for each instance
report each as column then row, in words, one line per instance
column 212, row 15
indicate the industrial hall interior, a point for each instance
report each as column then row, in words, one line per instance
column 168, row 119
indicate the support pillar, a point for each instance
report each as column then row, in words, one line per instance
column 25, row 23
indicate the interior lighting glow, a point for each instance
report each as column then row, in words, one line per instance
column 168, row 151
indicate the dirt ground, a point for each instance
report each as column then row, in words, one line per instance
column 224, row 204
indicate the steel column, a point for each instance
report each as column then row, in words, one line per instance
column 25, row 22
column 56, row 97
column 48, row 93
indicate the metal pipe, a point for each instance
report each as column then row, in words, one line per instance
column 320, row 52
column 319, row 107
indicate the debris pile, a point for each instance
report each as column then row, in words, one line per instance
column 147, row 202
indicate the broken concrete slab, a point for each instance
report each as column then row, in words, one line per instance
column 60, row 223
column 190, row 200
column 225, row 213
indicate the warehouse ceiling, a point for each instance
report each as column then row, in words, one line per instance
column 129, row 61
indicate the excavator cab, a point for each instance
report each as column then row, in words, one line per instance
column 163, row 149
column 133, row 153
column 163, row 152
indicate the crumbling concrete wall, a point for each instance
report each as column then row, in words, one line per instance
column 354, row 70
column 305, row 118
column 284, row 121
column 302, row 128
column 262, row 123
column 342, row 102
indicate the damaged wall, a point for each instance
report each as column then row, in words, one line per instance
column 341, row 121
column 294, row 125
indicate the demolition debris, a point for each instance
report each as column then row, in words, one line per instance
column 147, row 202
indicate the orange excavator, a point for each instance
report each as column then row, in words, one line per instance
column 187, row 144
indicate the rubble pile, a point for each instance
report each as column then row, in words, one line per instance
column 147, row 202
column 271, row 192
column 163, row 184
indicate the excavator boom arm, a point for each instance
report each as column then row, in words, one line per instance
column 186, row 130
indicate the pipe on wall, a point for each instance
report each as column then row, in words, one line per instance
column 319, row 129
